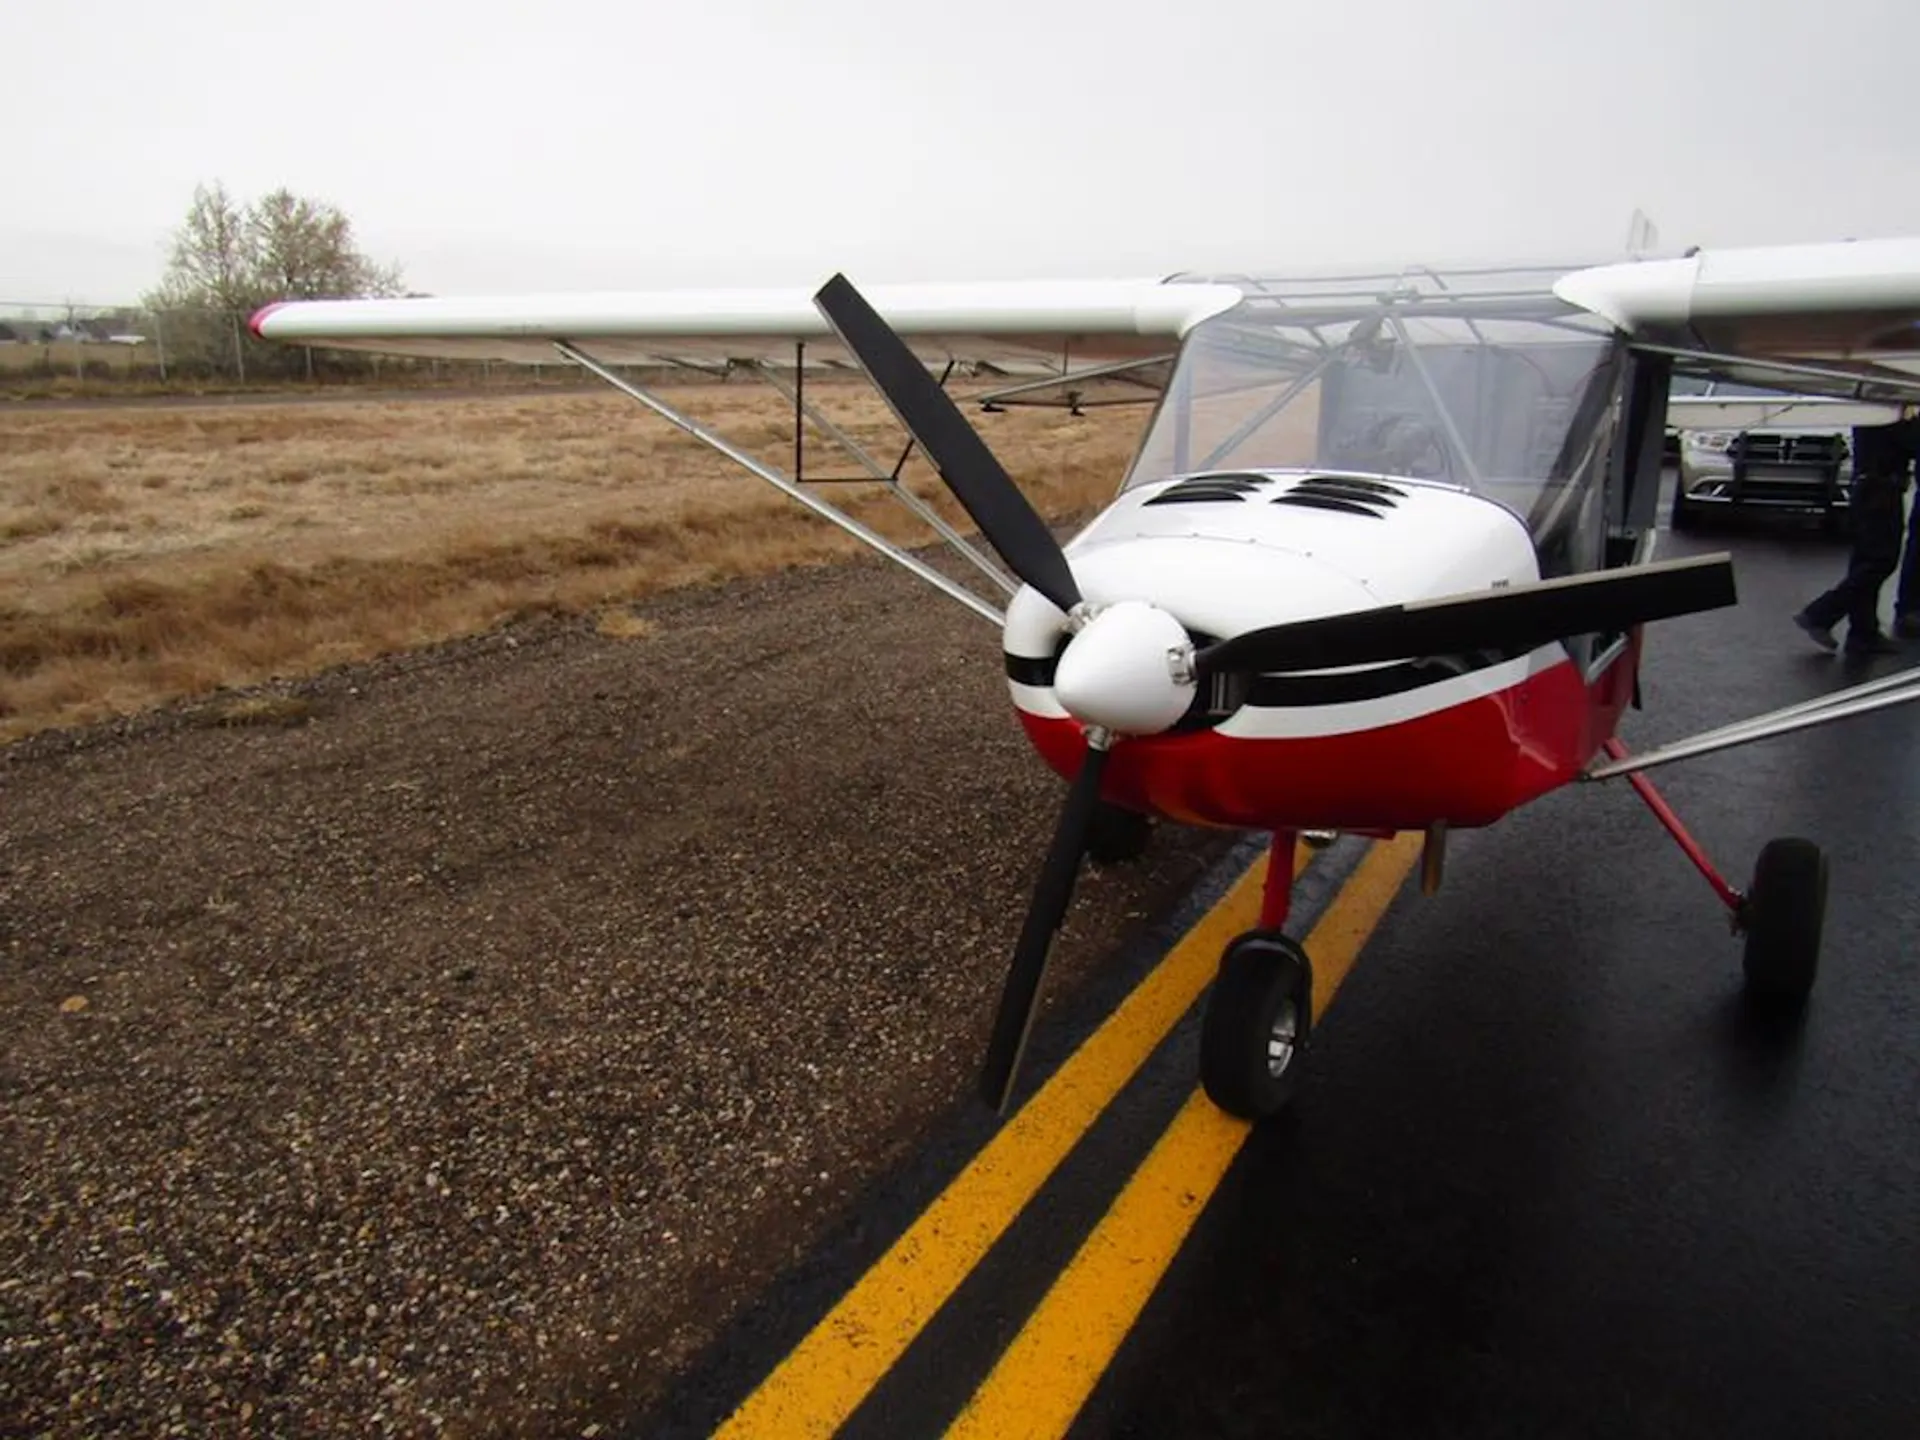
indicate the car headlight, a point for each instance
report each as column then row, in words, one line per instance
column 1716, row 442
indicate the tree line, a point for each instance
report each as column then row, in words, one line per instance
column 228, row 259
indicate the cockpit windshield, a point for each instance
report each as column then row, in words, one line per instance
column 1485, row 381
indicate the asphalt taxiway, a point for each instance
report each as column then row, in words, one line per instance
column 1545, row 1175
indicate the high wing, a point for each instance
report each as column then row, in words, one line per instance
column 1846, row 313
column 1839, row 318
column 1012, row 327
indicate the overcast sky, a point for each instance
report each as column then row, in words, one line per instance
column 578, row 144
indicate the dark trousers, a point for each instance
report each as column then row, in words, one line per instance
column 1907, row 599
column 1877, row 506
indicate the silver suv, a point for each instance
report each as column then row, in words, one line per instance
column 1794, row 454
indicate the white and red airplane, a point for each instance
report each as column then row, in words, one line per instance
column 1380, row 563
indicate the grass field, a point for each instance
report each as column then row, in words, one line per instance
column 153, row 553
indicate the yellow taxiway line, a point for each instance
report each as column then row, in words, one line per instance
column 819, row 1384
column 1046, row 1374
column 824, row 1379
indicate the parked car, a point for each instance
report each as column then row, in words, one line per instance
column 1748, row 448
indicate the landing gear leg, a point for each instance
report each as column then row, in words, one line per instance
column 1260, row 1012
column 1782, row 912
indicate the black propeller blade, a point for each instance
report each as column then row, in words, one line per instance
column 1519, row 615
column 1012, row 526
column 1050, row 896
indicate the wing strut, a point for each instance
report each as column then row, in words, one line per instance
column 1888, row 690
column 805, row 409
column 823, row 508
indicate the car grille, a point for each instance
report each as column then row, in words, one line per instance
column 1809, row 450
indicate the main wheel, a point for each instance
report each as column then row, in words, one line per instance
column 1786, row 908
column 1117, row 834
column 1256, row 1026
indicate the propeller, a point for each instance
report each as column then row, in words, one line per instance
column 1051, row 893
column 1012, row 526
column 1017, row 532
column 1528, row 614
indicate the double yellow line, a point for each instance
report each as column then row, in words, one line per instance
column 1044, row 1377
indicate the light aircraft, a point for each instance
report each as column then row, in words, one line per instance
column 1382, row 561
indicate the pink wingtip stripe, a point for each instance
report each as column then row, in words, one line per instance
column 259, row 318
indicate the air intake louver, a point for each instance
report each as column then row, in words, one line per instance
column 1198, row 489
column 1346, row 494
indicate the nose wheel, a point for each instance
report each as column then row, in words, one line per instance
column 1257, row 1023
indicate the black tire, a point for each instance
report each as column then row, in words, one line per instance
column 1258, row 1021
column 1117, row 834
column 1786, row 908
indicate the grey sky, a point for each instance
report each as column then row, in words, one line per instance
column 586, row 144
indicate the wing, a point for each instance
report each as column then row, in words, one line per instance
column 1840, row 318
column 1033, row 327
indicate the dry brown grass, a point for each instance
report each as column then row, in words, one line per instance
column 624, row 625
column 261, row 709
column 148, row 554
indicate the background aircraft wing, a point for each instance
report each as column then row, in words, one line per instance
column 1016, row 327
column 1839, row 318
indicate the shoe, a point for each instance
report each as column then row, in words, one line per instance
column 1874, row 644
column 1821, row 635
column 1907, row 625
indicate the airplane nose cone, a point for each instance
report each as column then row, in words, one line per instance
column 1118, row 673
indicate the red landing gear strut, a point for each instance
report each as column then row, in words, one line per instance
column 1277, row 896
column 1690, row 847
column 1781, row 913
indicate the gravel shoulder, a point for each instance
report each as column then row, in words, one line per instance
column 455, row 1053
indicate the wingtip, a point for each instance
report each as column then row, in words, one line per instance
column 259, row 318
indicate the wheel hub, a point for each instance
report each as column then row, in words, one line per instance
column 1283, row 1039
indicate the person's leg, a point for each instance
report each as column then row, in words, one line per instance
column 1827, row 610
column 1878, row 524
column 1865, row 579
column 1906, row 600
column 1856, row 599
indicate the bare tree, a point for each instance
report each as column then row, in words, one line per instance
column 304, row 250
column 228, row 260
column 212, row 261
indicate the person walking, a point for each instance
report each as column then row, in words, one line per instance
column 1906, row 599
column 1882, row 457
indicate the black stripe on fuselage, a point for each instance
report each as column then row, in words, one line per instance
column 1296, row 692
